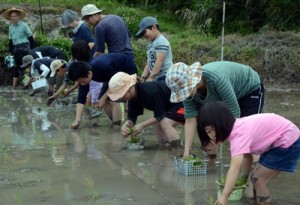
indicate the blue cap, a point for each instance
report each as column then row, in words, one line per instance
column 145, row 22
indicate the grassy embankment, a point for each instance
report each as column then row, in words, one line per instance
column 272, row 54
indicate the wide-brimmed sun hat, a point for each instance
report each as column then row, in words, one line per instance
column 88, row 10
column 21, row 12
column 182, row 79
column 26, row 61
column 144, row 23
column 119, row 84
column 55, row 65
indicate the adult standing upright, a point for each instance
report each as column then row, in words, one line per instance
column 19, row 34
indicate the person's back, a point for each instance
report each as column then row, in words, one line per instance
column 258, row 133
column 106, row 65
column 41, row 66
column 112, row 31
column 242, row 78
column 50, row 51
column 153, row 92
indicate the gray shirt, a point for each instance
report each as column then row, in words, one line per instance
column 160, row 45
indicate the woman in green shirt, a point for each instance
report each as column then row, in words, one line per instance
column 237, row 85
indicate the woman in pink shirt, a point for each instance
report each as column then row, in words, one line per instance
column 273, row 137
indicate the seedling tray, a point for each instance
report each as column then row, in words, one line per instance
column 140, row 145
column 236, row 194
column 190, row 167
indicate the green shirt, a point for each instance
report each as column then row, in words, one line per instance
column 225, row 81
column 19, row 33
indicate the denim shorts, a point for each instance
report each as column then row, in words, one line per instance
column 282, row 159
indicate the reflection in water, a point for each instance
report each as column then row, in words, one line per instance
column 43, row 161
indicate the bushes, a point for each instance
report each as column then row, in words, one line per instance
column 61, row 43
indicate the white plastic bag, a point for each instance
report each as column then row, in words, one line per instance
column 39, row 83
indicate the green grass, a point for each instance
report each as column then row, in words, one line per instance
column 189, row 43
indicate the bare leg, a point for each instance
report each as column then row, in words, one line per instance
column 108, row 110
column 15, row 81
column 260, row 178
column 166, row 131
column 160, row 135
column 168, row 128
column 114, row 112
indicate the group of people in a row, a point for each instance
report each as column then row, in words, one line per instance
column 222, row 100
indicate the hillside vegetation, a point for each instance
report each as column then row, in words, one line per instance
column 263, row 34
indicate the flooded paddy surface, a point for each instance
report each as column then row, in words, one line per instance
column 43, row 161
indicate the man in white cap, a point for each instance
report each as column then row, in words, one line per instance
column 110, row 30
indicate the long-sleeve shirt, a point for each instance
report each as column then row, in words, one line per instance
column 225, row 81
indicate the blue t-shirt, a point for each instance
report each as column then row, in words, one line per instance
column 112, row 31
column 83, row 32
column 104, row 67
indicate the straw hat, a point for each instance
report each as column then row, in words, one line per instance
column 21, row 12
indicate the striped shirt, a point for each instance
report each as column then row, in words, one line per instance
column 225, row 81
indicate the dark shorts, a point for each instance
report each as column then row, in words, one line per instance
column 253, row 102
column 16, row 71
column 282, row 159
column 176, row 113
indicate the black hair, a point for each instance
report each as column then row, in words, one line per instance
column 81, row 51
column 78, row 70
column 150, row 27
column 218, row 115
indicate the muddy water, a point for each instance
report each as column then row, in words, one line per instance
column 43, row 161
